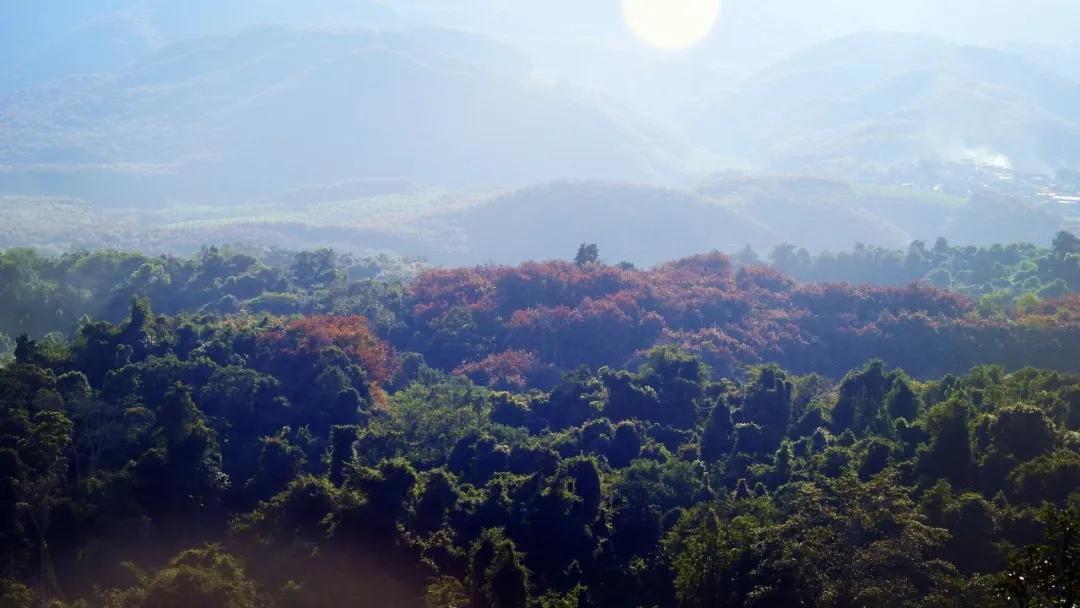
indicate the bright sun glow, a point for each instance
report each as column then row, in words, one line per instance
column 671, row 24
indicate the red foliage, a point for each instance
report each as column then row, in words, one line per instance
column 509, row 370
column 557, row 283
column 570, row 315
column 763, row 279
column 720, row 350
column 594, row 332
column 437, row 291
column 1062, row 311
column 712, row 268
column 307, row 335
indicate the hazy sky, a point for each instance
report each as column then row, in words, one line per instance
column 582, row 52
column 987, row 21
column 583, row 41
column 764, row 27
column 1053, row 21
column 587, row 41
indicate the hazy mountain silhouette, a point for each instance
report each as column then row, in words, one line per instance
column 236, row 116
column 886, row 98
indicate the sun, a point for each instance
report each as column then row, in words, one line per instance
column 671, row 25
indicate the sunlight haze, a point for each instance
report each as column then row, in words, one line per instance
column 539, row 303
column 671, row 24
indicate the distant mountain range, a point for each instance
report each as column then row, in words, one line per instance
column 237, row 117
column 641, row 224
column 647, row 225
column 42, row 40
column 305, row 131
column 889, row 98
column 233, row 117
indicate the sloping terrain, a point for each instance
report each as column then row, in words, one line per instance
column 231, row 118
column 888, row 98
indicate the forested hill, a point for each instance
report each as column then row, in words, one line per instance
column 893, row 97
column 1019, row 274
column 230, row 454
column 235, row 117
column 527, row 324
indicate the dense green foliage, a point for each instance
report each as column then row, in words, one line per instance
column 41, row 294
column 240, row 458
column 513, row 327
column 1002, row 278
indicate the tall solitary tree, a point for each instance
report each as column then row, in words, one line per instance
column 181, row 474
column 498, row 577
column 587, row 253
column 44, row 465
column 716, row 441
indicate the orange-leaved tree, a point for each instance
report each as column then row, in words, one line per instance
column 349, row 333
